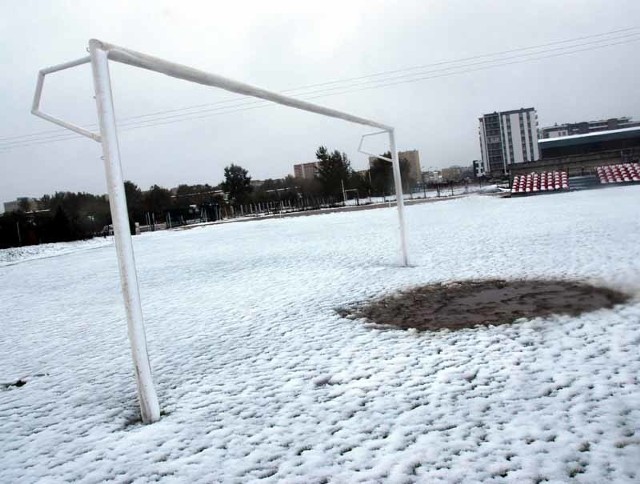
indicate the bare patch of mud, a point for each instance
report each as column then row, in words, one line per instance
column 467, row 304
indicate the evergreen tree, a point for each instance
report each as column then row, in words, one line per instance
column 237, row 183
column 334, row 169
column 134, row 204
column 62, row 230
column 194, row 194
column 157, row 200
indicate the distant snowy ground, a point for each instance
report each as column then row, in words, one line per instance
column 43, row 251
column 259, row 377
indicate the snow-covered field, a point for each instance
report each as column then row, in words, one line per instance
column 260, row 379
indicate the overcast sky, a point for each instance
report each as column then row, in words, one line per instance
column 285, row 45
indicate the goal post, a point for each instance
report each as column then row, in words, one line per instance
column 99, row 55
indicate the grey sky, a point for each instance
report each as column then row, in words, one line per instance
column 283, row 45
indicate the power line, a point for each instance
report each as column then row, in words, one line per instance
column 378, row 74
column 347, row 91
column 259, row 103
column 484, row 68
column 631, row 37
column 131, row 123
column 56, row 134
column 491, row 54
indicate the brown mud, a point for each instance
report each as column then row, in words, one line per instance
column 467, row 304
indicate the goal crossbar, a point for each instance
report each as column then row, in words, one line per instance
column 179, row 71
column 99, row 55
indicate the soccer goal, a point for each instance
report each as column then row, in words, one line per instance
column 99, row 55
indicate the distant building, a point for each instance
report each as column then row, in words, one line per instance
column 621, row 145
column 432, row 176
column 554, row 131
column 452, row 173
column 478, row 168
column 456, row 173
column 586, row 127
column 21, row 203
column 508, row 138
column 412, row 157
column 307, row 171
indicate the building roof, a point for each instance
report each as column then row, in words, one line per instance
column 624, row 119
column 578, row 139
column 511, row 111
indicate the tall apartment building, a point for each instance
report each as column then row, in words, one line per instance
column 508, row 138
column 584, row 127
column 305, row 170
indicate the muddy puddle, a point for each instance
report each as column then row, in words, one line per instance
column 467, row 304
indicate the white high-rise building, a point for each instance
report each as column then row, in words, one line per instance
column 507, row 138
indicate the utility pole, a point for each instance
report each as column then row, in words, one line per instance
column 344, row 194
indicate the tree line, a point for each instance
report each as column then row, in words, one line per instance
column 67, row 216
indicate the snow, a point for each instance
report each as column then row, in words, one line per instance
column 259, row 378
column 16, row 255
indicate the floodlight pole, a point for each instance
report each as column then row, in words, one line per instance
column 149, row 406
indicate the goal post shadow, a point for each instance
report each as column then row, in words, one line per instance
column 100, row 53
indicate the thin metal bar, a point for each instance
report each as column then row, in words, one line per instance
column 35, row 106
column 69, row 126
column 149, row 406
column 360, row 150
column 376, row 156
column 376, row 133
column 38, row 94
column 66, row 65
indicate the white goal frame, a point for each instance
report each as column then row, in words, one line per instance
column 99, row 55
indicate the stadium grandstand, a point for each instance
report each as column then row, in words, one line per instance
column 585, row 161
column 626, row 173
column 540, row 182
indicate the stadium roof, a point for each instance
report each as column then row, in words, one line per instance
column 578, row 139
